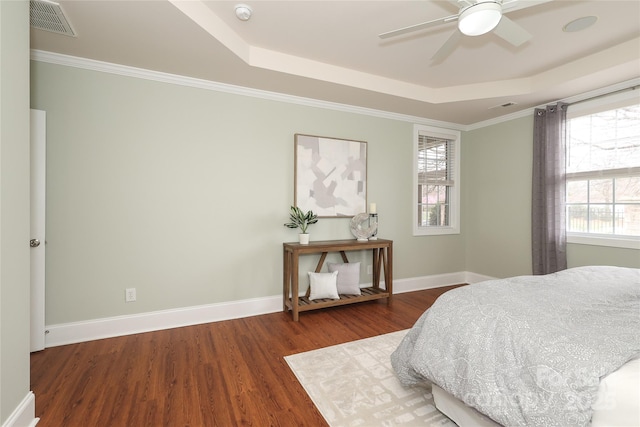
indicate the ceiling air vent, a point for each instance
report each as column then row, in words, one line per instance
column 48, row 16
column 505, row 105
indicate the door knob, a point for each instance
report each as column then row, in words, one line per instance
column 34, row 243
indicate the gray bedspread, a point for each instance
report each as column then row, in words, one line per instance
column 528, row 350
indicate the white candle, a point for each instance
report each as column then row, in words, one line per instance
column 372, row 208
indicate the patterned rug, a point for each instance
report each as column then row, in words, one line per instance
column 353, row 384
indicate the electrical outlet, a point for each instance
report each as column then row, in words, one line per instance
column 130, row 294
column 369, row 269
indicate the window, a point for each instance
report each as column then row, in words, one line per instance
column 436, row 181
column 603, row 172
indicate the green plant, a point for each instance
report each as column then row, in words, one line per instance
column 301, row 219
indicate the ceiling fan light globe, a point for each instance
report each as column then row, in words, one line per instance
column 479, row 18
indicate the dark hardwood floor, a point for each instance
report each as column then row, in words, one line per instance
column 217, row 374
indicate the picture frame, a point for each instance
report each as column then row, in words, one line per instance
column 330, row 175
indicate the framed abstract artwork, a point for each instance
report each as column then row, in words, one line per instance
column 330, row 175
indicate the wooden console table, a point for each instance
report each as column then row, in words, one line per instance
column 382, row 258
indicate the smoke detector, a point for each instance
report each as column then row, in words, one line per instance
column 49, row 16
column 243, row 12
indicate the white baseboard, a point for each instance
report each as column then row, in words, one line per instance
column 25, row 413
column 476, row 278
column 428, row 282
column 437, row 281
column 69, row 333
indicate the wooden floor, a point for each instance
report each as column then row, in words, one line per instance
column 217, row 374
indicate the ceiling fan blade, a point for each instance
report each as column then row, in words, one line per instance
column 448, row 47
column 463, row 3
column 511, row 32
column 418, row 27
column 513, row 5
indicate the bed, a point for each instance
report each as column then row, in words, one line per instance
column 556, row 350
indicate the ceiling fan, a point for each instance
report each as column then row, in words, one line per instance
column 476, row 18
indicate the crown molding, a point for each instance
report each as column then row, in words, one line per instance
column 140, row 73
column 501, row 119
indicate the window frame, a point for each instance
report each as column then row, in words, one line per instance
column 454, row 190
column 601, row 104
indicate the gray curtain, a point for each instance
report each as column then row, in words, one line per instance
column 549, row 237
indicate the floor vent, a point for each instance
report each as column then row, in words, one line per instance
column 48, row 16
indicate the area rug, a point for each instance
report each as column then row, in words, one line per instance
column 353, row 384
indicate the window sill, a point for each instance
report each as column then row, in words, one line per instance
column 604, row 240
column 435, row 231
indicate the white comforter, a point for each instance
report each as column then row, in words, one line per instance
column 528, row 350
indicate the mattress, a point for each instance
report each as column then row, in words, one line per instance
column 617, row 405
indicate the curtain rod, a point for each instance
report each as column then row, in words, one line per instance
column 604, row 94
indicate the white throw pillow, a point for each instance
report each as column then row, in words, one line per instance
column 323, row 285
column 348, row 277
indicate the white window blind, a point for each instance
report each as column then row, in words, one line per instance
column 436, row 181
column 435, row 161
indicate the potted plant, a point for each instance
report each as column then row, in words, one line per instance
column 301, row 220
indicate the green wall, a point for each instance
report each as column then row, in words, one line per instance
column 496, row 166
column 578, row 255
column 14, row 207
column 182, row 193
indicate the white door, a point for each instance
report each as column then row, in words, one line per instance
column 37, row 243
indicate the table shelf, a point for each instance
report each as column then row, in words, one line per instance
column 382, row 258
